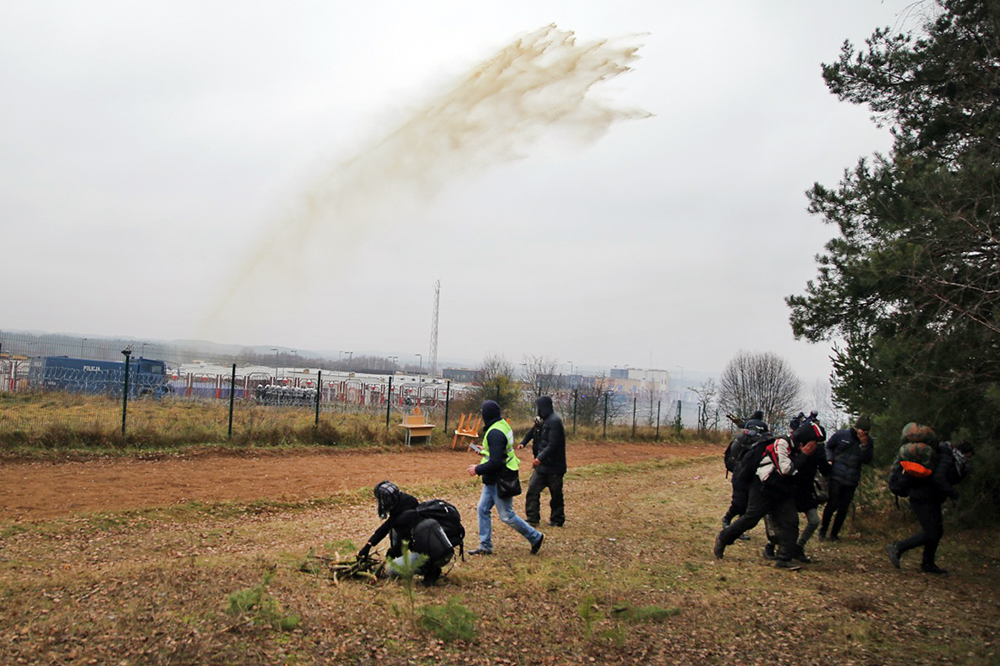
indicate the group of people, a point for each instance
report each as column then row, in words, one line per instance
column 776, row 477
column 403, row 520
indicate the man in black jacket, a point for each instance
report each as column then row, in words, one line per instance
column 847, row 450
column 926, row 499
column 548, row 467
column 392, row 507
column 402, row 522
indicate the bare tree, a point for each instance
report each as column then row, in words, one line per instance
column 830, row 415
column 763, row 381
column 594, row 399
column 707, row 394
column 540, row 375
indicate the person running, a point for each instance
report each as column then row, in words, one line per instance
column 772, row 493
column 498, row 458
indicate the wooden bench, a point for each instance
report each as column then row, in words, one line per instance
column 467, row 431
column 416, row 425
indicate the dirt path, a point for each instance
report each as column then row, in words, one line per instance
column 44, row 490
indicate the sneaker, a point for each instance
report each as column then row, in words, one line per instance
column 769, row 552
column 538, row 544
column 833, row 539
column 822, row 536
column 893, row 554
column 800, row 555
column 787, row 565
column 744, row 537
column 480, row 551
column 720, row 548
column 551, row 524
column 932, row 569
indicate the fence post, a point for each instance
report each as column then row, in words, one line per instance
column 605, row 416
column 128, row 353
column 447, row 405
column 576, row 395
column 635, row 407
column 388, row 402
column 232, row 399
column 319, row 393
column 680, row 423
column 658, row 420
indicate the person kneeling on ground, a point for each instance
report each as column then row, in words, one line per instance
column 772, row 493
column 404, row 525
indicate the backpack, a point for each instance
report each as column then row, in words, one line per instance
column 738, row 448
column 430, row 539
column 914, row 461
column 448, row 518
column 747, row 465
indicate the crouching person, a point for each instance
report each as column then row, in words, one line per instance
column 417, row 526
column 430, row 551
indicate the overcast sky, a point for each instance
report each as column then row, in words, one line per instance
column 284, row 173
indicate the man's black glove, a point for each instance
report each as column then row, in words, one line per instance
column 363, row 553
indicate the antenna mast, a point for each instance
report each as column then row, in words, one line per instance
column 434, row 329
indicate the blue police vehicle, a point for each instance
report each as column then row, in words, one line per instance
column 146, row 377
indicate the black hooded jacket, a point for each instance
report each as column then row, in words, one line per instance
column 400, row 518
column 551, row 439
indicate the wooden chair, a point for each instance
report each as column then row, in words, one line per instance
column 467, row 431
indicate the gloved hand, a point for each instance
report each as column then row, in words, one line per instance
column 363, row 553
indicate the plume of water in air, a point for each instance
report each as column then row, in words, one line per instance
column 541, row 82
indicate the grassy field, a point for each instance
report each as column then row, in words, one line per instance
column 629, row 579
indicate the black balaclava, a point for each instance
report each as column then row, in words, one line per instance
column 491, row 412
column 387, row 495
column 544, row 405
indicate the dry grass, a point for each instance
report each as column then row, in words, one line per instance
column 630, row 579
column 45, row 423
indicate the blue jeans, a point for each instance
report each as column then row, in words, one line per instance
column 505, row 509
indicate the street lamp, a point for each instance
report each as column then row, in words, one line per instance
column 350, row 358
column 421, row 359
column 275, row 350
column 393, row 359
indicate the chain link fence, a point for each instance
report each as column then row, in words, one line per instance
column 58, row 388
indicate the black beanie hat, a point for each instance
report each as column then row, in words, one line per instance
column 863, row 423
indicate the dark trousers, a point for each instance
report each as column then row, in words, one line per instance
column 738, row 506
column 928, row 513
column 840, row 500
column 779, row 507
column 533, row 498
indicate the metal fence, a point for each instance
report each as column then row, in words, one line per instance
column 130, row 373
column 135, row 376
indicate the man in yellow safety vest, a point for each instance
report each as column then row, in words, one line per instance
column 498, row 459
